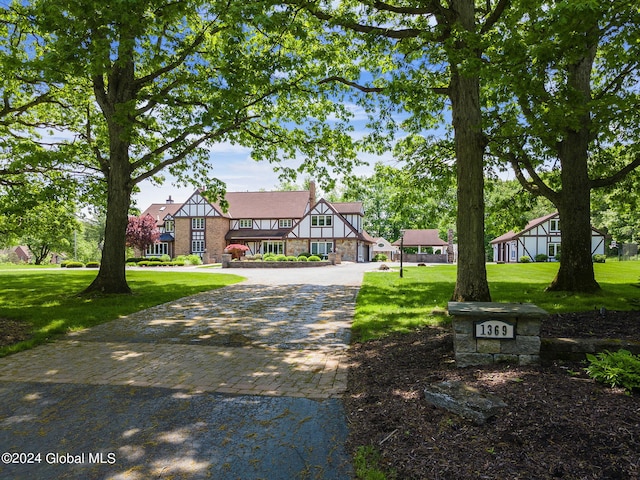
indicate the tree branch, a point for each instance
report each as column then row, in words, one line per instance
column 616, row 177
column 355, row 85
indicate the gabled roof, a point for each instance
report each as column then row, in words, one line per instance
column 511, row 235
column 422, row 238
column 267, row 204
column 161, row 210
column 346, row 208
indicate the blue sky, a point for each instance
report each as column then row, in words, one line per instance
column 233, row 165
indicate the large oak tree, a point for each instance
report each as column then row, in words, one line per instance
column 565, row 111
column 424, row 56
column 157, row 82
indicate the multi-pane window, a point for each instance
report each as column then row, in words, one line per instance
column 197, row 223
column 169, row 226
column 553, row 249
column 157, row 249
column 285, row 223
column 321, row 220
column 197, row 242
column 555, row 225
column 269, row 246
column 246, row 223
column 321, row 248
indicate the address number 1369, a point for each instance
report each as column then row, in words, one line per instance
column 494, row 329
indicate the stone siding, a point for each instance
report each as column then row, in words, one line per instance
column 295, row 246
column 523, row 349
column 347, row 249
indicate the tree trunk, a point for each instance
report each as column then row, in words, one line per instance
column 471, row 280
column 111, row 277
column 574, row 206
column 576, row 265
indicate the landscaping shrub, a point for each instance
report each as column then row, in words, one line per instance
column 292, row 258
column 380, row 257
column 599, row 258
column 302, row 258
column 194, row 260
column 305, row 254
column 269, row 257
column 257, row 256
column 541, row 257
column 75, row 265
column 281, row 258
column 619, row 369
column 135, row 259
column 525, row 259
column 314, row 258
column 93, row 265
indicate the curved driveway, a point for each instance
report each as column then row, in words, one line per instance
column 242, row 382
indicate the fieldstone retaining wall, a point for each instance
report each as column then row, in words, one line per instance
column 576, row 349
column 486, row 333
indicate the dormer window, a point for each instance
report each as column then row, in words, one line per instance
column 245, row 223
column 169, row 226
column 285, row 223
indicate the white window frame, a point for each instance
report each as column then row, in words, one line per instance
column 197, row 223
column 554, row 225
column 157, row 249
column 197, row 246
column 245, row 223
column 321, row 247
column 321, row 220
column 169, row 226
column 273, row 246
column 556, row 249
column 285, row 223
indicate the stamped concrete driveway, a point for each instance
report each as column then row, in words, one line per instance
column 238, row 383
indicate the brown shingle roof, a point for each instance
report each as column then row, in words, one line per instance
column 267, row 204
column 422, row 238
column 345, row 208
column 161, row 210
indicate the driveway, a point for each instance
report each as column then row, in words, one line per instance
column 243, row 382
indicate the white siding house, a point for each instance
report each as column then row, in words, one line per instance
column 540, row 236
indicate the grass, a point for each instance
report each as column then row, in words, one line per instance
column 47, row 299
column 387, row 303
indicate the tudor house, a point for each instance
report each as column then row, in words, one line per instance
column 288, row 223
column 540, row 236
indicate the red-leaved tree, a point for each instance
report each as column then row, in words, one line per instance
column 142, row 231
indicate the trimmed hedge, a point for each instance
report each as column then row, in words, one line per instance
column 314, row 258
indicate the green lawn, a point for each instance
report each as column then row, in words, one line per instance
column 387, row 303
column 47, row 299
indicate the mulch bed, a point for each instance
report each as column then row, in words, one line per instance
column 558, row 424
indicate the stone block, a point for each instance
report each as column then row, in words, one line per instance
column 523, row 345
column 471, row 359
column 464, row 343
column 529, row 359
column 464, row 326
column 463, row 400
column 506, row 358
column 488, row 346
column 528, row 326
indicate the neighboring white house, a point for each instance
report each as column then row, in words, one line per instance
column 541, row 235
column 384, row 247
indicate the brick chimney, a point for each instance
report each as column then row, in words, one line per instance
column 312, row 194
